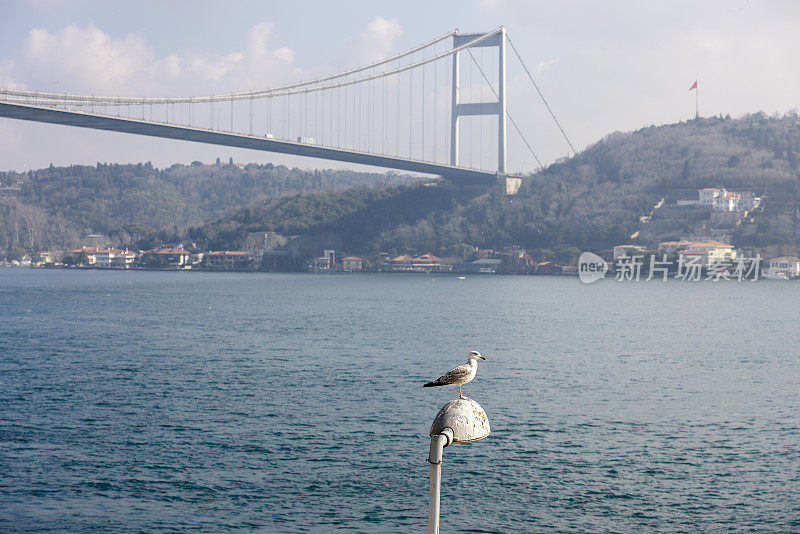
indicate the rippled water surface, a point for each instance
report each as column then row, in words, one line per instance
column 143, row 401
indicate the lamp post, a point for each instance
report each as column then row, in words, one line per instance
column 459, row 421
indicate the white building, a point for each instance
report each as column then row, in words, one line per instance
column 711, row 252
column 114, row 257
column 725, row 201
column 708, row 195
column 785, row 265
column 708, row 252
column 104, row 258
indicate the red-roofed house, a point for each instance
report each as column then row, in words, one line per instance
column 352, row 263
column 422, row 263
column 427, row 258
column 89, row 251
column 708, row 195
column 167, row 257
column 405, row 258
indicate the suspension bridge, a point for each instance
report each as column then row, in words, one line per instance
column 439, row 108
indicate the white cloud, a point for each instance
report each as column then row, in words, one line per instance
column 214, row 67
column 284, row 54
column 376, row 41
column 87, row 59
column 171, row 66
column 544, row 66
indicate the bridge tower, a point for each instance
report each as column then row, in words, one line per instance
column 497, row 107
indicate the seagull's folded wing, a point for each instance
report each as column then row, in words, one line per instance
column 454, row 376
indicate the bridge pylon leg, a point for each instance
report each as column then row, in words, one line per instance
column 502, row 113
column 454, row 111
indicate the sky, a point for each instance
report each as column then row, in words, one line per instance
column 602, row 66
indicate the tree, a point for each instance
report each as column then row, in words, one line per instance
column 566, row 254
column 687, row 169
column 83, row 258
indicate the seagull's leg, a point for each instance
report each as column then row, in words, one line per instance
column 459, row 393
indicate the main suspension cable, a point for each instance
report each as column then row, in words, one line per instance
column 540, row 93
column 298, row 88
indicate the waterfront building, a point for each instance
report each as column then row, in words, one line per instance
column 709, row 252
column 429, row 262
column 785, row 265
column 44, row 258
column 352, row 263
column 167, row 258
column 482, row 266
column 114, row 258
column 228, row 260
column 124, row 260
column 326, row 262
column 401, row 263
column 89, row 251
column 424, row 263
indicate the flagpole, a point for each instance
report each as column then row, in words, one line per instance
column 697, row 101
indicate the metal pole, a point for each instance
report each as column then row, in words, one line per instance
column 697, row 102
column 438, row 443
column 459, row 421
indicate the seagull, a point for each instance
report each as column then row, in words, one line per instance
column 460, row 375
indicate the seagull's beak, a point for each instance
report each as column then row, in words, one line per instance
column 481, row 358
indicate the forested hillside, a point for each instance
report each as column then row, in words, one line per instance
column 55, row 207
column 591, row 201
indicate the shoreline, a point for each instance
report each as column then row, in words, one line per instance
column 462, row 276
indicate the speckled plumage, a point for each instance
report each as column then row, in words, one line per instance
column 460, row 375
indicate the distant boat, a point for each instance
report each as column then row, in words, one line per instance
column 461, row 277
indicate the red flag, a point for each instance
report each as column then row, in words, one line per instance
column 694, row 85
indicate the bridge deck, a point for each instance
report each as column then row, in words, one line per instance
column 199, row 135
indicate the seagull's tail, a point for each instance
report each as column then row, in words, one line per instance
column 432, row 384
